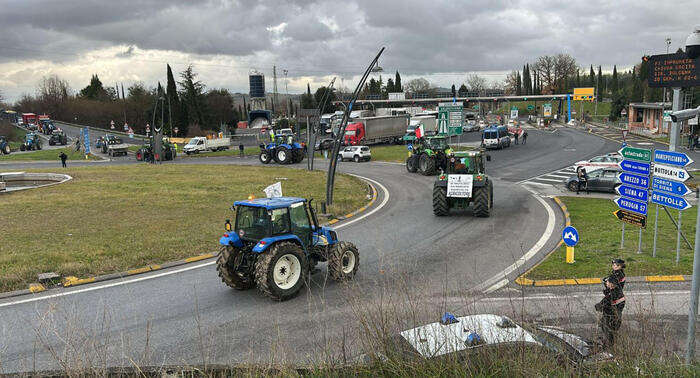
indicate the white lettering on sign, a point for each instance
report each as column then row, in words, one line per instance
column 460, row 186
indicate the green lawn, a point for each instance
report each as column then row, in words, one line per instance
column 588, row 107
column 233, row 151
column 122, row 217
column 47, row 155
column 600, row 232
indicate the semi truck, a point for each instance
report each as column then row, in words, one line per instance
column 28, row 119
column 202, row 144
column 369, row 130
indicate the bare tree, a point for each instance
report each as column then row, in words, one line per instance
column 52, row 92
column 511, row 83
column 476, row 83
column 419, row 85
column 552, row 71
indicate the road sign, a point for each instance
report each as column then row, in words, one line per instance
column 634, row 180
column 624, row 134
column 673, row 70
column 475, row 107
column 584, row 94
column 635, row 167
column 86, row 140
column 547, row 110
column 633, row 153
column 631, row 218
column 111, row 125
column 633, row 193
column 514, row 112
column 671, row 173
column 631, row 205
column 570, row 236
column 671, row 158
column 669, row 200
column 530, row 107
column 450, row 117
column 668, row 186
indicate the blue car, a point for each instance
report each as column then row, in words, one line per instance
column 275, row 243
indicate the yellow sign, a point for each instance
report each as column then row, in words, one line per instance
column 584, row 94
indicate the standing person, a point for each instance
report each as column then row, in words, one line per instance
column 241, row 148
column 63, row 158
column 516, row 135
column 524, row 136
column 618, row 271
column 611, row 307
column 272, row 135
column 582, row 179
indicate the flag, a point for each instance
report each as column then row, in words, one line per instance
column 419, row 131
column 274, row 190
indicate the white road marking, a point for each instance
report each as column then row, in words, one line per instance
column 546, row 179
column 559, row 175
column 128, row 281
column 549, row 230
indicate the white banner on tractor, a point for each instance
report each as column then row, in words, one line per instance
column 460, row 186
column 274, row 190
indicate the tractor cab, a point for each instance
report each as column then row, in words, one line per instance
column 274, row 244
column 466, row 162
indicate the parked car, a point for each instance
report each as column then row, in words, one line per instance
column 603, row 161
column 599, row 180
column 471, row 126
column 355, row 153
column 496, row 137
column 324, row 144
column 469, row 335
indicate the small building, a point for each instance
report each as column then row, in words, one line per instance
column 648, row 117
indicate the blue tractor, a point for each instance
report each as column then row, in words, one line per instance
column 284, row 150
column 31, row 142
column 276, row 243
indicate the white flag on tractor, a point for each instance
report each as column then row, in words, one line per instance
column 274, row 190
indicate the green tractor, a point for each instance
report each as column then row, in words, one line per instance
column 427, row 155
column 145, row 153
column 464, row 182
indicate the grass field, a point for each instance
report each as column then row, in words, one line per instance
column 46, row 155
column 111, row 220
column 588, row 107
column 600, row 232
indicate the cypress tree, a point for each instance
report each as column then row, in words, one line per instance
column 614, row 85
column 591, row 78
column 518, row 84
column 397, row 83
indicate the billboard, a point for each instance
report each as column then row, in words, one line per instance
column 673, row 70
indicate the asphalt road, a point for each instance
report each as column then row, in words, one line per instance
column 186, row 315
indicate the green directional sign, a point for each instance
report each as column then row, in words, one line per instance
column 638, row 154
column 530, row 107
column 475, row 107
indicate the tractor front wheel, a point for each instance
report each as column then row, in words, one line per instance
column 343, row 261
column 482, row 200
column 264, row 157
column 229, row 258
column 440, row 206
column 426, row 165
column 281, row 271
column 411, row 164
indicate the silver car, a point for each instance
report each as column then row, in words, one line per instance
column 355, row 153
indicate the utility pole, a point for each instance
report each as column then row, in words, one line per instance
column 693, row 312
column 274, row 87
column 675, row 125
column 286, row 91
column 663, row 101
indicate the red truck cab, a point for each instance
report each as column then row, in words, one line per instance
column 28, row 118
column 354, row 134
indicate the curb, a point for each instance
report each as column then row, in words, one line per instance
column 522, row 280
column 71, row 281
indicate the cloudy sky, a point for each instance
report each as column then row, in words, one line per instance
column 131, row 40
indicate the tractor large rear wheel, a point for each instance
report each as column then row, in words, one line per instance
column 283, row 155
column 411, row 164
column 426, row 165
column 281, row 271
column 229, row 258
column 343, row 261
column 482, row 200
column 440, row 206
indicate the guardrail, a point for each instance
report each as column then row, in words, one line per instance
column 136, row 136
